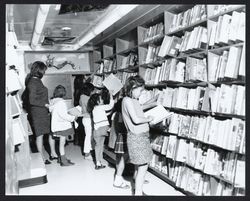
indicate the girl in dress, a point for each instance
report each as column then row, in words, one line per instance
column 138, row 143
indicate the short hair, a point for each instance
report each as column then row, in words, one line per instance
column 59, row 92
column 131, row 83
column 87, row 88
column 38, row 69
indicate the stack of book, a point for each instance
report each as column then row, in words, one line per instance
column 157, row 142
column 153, row 32
column 195, row 40
column 148, row 95
column 228, row 28
column 231, row 64
column 188, row 17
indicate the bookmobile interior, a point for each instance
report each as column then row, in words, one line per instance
column 192, row 58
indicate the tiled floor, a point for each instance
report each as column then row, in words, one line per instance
column 83, row 179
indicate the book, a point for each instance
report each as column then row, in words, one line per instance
column 112, row 83
column 159, row 113
column 241, row 31
column 232, row 67
column 76, row 111
column 171, row 146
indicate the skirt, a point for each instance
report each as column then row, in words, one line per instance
column 139, row 148
column 65, row 133
column 121, row 143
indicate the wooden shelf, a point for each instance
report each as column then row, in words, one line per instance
column 129, row 69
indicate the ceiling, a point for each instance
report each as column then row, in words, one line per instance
column 72, row 24
column 75, row 24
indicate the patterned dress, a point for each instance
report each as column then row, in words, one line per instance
column 138, row 142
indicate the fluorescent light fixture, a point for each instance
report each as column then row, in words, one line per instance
column 66, row 28
column 106, row 21
column 39, row 24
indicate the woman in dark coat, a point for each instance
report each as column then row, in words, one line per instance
column 36, row 104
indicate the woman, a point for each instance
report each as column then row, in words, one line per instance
column 86, row 91
column 138, row 143
column 35, row 100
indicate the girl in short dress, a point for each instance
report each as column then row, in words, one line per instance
column 138, row 143
column 61, row 122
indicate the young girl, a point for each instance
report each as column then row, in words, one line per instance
column 61, row 121
column 138, row 143
column 98, row 109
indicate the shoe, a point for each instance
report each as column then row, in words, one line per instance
column 65, row 162
column 123, row 185
column 98, row 167
column 70, row 162
column 47, row 162
column 145, row 181
column 89, row 157
column 51, row 158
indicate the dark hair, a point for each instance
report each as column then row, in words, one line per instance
column 92, row 102
column 105, row 96
column 131, row 83
column 59, row 92
column 87, row 88
column 38, row 69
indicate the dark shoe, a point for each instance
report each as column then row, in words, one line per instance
column 70, row 162
column 47, row 162
column 51, row 158
column 98, row 167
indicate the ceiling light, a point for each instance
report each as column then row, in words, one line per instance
column 58, row 6
column 66, row 28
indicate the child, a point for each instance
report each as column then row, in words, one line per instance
column 61, row 122
column 98, row 109
column 120, row 147
column 138, row 143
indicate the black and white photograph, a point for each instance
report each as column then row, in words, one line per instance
column 125, row 99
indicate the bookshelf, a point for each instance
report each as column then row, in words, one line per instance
column 197, row 70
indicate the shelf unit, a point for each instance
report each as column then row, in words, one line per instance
column 136, row 42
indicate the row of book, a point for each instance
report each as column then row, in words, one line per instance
column 178, row 71
column 230, row 64
column 126, row 61
column 217, row 8
column 151, row 55
column 195, row 40
column 152, row 32
column 123, row 76
column 199, row 156
column 228, row 134
column 222, row 164
column 227, row 29
column 188, row 17
column 193, row 181
column 225, row 99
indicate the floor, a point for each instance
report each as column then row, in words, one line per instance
column 83, row 179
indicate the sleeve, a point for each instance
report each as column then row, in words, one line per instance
column 63, row 113
column 35, row 94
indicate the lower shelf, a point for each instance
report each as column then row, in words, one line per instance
column 166, row 179
column 38, row 173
